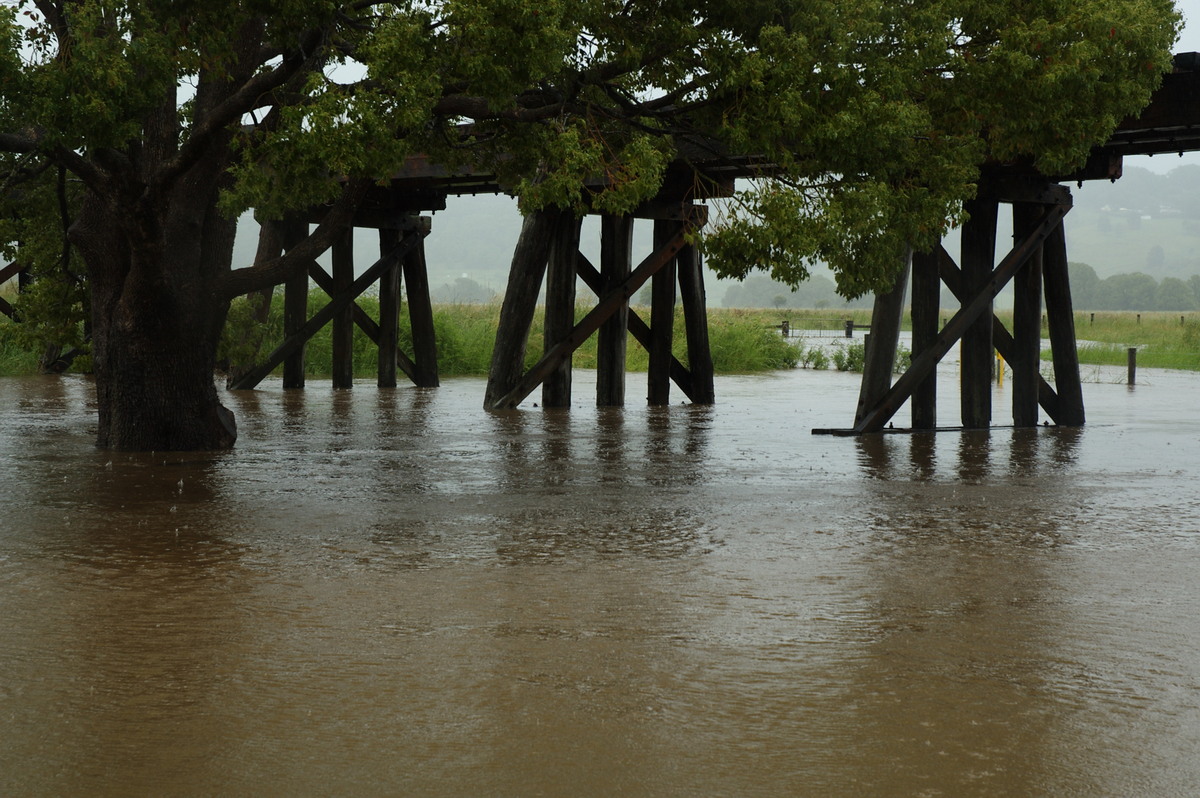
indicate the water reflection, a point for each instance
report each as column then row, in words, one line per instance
column 974, row 455
column 922, row 454
column 953, row 688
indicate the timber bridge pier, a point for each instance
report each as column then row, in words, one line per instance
column 548, row 251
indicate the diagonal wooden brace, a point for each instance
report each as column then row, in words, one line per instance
column 924, row 363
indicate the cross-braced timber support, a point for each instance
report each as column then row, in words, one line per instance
column 1037, row 260
column 552, row 237
column 401, row 250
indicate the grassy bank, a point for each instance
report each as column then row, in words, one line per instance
column 1164, row 340
column 741, row 341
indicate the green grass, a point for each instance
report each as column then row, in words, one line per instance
column 1164, row 340
column 742, row 340
column 15, row 358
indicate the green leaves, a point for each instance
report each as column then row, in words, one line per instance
column 881, row 120
column 875, row 117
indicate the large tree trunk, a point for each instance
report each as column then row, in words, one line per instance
column 156, row 323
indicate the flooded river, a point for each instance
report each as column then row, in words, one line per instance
column 395, row 593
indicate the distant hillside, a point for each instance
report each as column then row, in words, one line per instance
column 1144, row 222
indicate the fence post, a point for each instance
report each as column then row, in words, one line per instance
column 1131, row 378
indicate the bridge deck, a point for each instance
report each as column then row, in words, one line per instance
column 1169, row 124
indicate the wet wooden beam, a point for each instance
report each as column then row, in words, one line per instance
column 886, row 317
column 616, row 261
column 11, row 270
column 1060, row 317
column 695, row 324
column 389, row 314
column 662, row 318
column 15, row 269
column 560, row 307
column 520, row 303
column 420, row 315
column 926, row 308
column 978, row 256
column 342, row 334
column 1025, row 359
column 295, row 311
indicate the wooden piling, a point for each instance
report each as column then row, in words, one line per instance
column 560, row 306
column 662, row 319
column 616, row 259
column 926, row 298
column 695, row 321
column 1025, row 359
column 520, row 303
column 389, row 312
column 978, row 257
column 1060, row 318
column 1131, row 371
column 295, row 308
column 342, row 255
column 880, row 353
column 420, row 315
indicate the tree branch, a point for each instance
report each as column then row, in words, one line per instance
column 477, row 108
column 13, row 142
column 230, row 110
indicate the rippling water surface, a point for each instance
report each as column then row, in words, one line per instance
column 395, row 593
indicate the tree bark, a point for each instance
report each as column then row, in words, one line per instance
column 155, row 330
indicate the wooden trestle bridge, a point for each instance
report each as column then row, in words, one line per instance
column 548, row 250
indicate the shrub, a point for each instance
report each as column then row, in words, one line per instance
column 850, row 357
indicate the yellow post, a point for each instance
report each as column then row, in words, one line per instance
column 999, row 370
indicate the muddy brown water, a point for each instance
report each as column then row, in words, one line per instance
column 395, row 593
